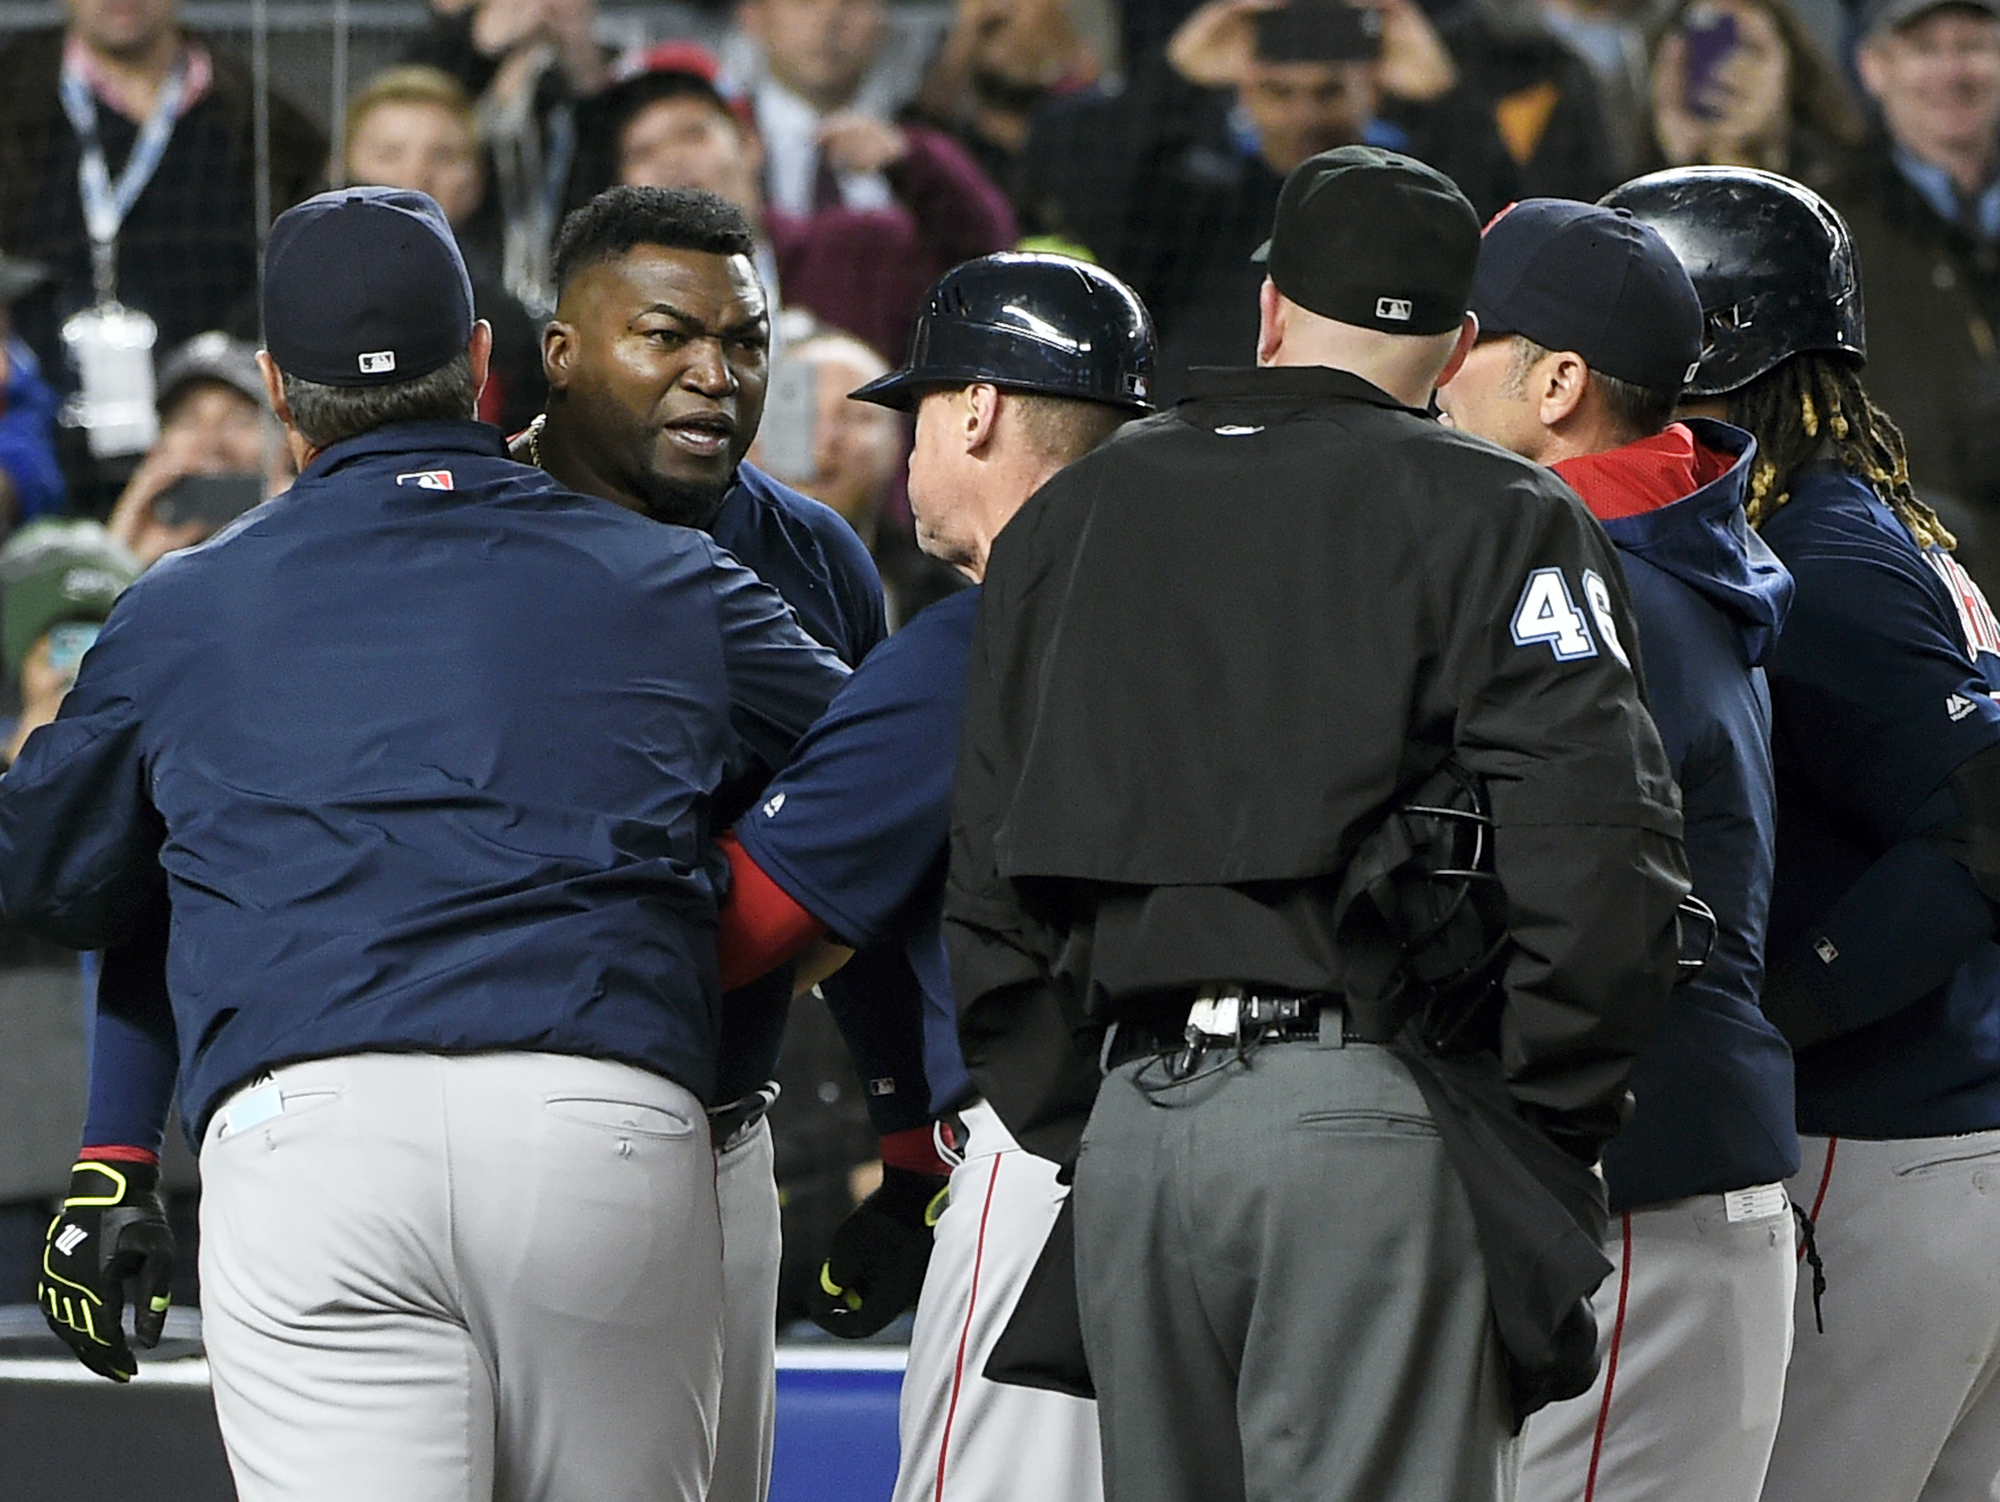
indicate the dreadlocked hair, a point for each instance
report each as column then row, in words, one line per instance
column 1813, row 401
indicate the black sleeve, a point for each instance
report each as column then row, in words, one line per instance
column 1586, row 820
column 1019, row 1026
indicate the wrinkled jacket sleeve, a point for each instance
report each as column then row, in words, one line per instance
column 79, row 837
column 780, row 679
column 1587, row 827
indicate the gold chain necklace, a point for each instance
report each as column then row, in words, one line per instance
column 535, row 439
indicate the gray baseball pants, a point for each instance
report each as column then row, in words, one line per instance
column 1694, row 1327
column 486, row 1278
column 747, row 1188
column 1280, row 1290
column 1898, row 1401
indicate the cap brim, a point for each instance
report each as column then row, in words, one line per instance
column 897, row 389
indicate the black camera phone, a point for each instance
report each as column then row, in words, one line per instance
column 213, row 499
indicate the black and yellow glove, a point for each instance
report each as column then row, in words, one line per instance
column 874, row 1267
column 112, row 1232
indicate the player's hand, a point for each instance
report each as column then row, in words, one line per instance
column 875, row 1267
column 112, row 1230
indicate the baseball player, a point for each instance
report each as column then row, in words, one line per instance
column 1018, row 365
column 1588, row 327
column 1211, row 662
column 420, row 757
column 656, row 363
column 1882, row 966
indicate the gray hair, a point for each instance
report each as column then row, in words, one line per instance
column 326, row 415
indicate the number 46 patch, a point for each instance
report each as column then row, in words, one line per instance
column 1548, row 613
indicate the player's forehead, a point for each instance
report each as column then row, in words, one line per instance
column 719, row 293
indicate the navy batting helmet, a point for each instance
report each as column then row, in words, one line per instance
column 1772, row 262
column 1042, row 323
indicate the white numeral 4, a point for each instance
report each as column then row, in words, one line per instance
column 1548, row 613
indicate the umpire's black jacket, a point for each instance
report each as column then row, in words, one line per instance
column 1212, row 655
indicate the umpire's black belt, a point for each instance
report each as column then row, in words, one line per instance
column 1222, row 1018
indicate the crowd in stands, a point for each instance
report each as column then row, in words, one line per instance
column 137, row 164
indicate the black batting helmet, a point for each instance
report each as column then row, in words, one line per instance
column 1027, row 322
column 1771, row 260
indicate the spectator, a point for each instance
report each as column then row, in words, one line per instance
column 1923, row 201
column 998, row 61
column 31, row 482
column 413, row 127
column 57, row 581
column 214, row 420
column 861, row 270
column 1173, row 184
column 827, row 72
column 1546, row 100
column 1742, row 83
column 176, row 231
column 1614, row 38
column 852, row 460
column 529, row 63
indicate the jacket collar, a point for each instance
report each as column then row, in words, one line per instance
column 410, row 438
column 1286, row 384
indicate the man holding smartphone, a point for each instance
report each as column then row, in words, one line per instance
column 217, row 455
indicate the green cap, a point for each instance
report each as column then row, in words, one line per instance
column 57, row 571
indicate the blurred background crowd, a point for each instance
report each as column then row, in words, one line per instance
column 873, row 144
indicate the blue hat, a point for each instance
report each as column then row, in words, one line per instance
column 365, row 286
column 1596, row 281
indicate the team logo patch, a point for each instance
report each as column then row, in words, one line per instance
column 1396, row 309
column 1958, row 707
column 771, row 808
column 377, row 362
column 427, row 479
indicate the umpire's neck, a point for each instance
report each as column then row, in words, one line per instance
column 1407, row 366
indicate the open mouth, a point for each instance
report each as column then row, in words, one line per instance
column 705, row 435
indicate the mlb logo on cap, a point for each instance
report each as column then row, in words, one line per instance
column 1397, row 308
column 379, row 362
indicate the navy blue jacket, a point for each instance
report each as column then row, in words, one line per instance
column 1714, row 1085
column 858, row 828
column 1881, row 688
column 427, row 750
column 806, row 552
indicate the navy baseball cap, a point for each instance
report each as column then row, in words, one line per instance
column 365, row 286
column 1593, row 280
column 1376, row 239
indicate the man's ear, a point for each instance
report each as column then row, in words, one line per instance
column 1270, row 321
column 979, row 415
column 558, row 354
column 274, row 387
column 1563, row 381
column 1468, row 335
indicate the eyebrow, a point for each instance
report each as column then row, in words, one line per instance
column 681, row 315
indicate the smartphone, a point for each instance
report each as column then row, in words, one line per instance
column 787, row 439
column 1710, row 36
column 212, row 499
column 68, row 641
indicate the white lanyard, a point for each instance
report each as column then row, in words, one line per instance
column 106, row 204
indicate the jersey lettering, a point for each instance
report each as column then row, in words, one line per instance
column 1548, row 613
column 1975, row 616
column 1598, row 593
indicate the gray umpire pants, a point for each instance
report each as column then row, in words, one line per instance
column 1281, row 1296
column 458, row 1279
column 746, row 1186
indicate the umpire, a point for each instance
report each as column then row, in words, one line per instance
column 421, row 756
column 1211, row 659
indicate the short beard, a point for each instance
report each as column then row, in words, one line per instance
column 682, row 504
